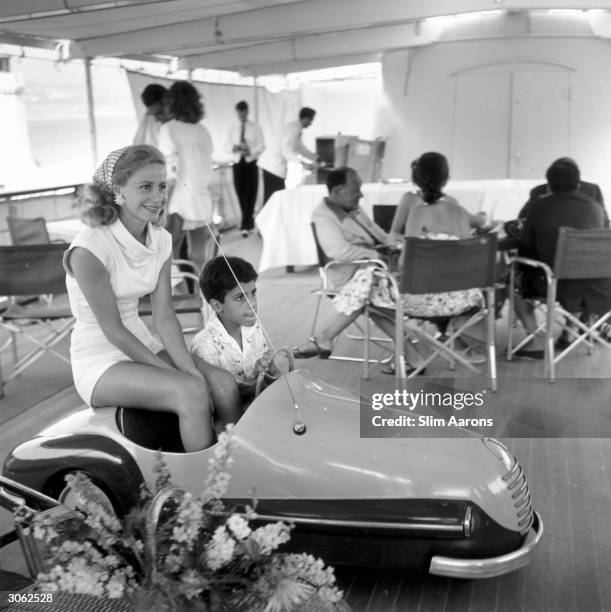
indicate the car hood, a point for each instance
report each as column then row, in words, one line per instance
column 329, row 460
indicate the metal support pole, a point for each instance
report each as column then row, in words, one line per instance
column 256, row 100
column 93, row 137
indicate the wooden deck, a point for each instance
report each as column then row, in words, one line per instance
column 569, row 477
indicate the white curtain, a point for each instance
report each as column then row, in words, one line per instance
column 270, row 110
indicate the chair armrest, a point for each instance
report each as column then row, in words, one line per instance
column 14, row 494
column 533, row 263
column 344, row 262
column 185, row 262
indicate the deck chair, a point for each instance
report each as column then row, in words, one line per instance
column 435, row 266
column 580, row 254
column 188, row 303
column 29, row 231
column 327, row 290
column 33, row 270
column 383, row 215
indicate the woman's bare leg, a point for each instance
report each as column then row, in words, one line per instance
column 135, row 385
column 326, row 336
column 224, row 391
column 412, row 354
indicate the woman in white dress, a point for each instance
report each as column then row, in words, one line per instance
column 187, row 145
column 110, row 265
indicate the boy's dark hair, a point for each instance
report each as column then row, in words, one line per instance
column 563, row 176
column 241, row 106
column 217, row 280
column 153, row 94
column 307, row 113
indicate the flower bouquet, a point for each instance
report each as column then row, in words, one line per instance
column 178, row 551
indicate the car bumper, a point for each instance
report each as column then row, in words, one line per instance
column 494, row 566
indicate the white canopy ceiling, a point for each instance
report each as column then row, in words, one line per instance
column 256, row 36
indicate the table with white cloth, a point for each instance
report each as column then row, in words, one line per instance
column 284, row 222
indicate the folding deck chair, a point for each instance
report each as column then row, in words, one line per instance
column 435, row 266
column 33, row 270
column 580, row 255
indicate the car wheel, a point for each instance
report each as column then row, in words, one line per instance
column 65, row 494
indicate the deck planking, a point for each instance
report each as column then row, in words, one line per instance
column 569, row 477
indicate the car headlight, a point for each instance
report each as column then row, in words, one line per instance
column 500, row 451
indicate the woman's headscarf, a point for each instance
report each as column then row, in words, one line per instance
column 103, row 175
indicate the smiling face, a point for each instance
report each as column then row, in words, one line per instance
column 144, row 194
column 235, row 308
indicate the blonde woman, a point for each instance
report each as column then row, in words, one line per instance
column 122, row 256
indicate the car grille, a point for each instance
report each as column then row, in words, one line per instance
column 516, row 482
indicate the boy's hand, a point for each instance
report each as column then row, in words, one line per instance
column 265, row 363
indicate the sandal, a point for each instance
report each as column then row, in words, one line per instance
column 408, row 370
column 317, row 351
column 323, row 353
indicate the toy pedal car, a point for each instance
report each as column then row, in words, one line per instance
column 456, row 507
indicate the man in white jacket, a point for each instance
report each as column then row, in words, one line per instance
column 275, row 159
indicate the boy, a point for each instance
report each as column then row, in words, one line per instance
column 233, row 339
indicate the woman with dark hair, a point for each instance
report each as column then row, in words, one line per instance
column 440, row 217
column 412, row 199
column 122, row 256
column 187, row 146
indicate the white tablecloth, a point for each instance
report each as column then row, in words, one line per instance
column 284, row 222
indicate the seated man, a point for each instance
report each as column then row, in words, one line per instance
column 346, row 233
column 590, row 189
column 565, row 206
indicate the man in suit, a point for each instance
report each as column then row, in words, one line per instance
column 565, row 206
column 590, row 189
column 245, row 142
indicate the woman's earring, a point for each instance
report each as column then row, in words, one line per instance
column 119, row 200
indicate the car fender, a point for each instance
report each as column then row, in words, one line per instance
column 43, row 462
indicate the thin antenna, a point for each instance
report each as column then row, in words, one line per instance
column 299, row 427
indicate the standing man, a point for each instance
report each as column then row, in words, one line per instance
column 290, row 149
column 245, row 142
column 153, row 97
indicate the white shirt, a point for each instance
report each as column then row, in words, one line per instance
column 289, row 148
column 148, row 131
column 253, row 136
column 216, row 346
column 188, row 151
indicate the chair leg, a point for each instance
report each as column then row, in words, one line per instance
column 549, row 361
column 316, row 311
column 366, row 346
column 491, row 341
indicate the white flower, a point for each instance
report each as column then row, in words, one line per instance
column 238, row 526
column 270, row 536
column 220, row 550
column 115, row 588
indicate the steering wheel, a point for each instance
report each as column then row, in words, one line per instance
column 263, row 376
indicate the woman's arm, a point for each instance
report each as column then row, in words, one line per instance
column 166, row 322
column 94, row 281
column 408, row 201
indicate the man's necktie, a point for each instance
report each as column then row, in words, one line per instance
column 243, row 136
